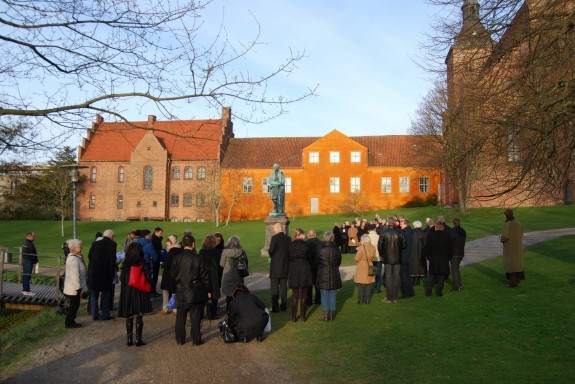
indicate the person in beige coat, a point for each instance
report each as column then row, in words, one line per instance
column 352, row 241
column 364, row 259
column 74, row 281
column 512, row 239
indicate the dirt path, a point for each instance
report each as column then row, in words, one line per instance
column 97, row 353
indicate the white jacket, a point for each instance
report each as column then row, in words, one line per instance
column 75, row 275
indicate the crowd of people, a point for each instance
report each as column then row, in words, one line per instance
column 393, row 253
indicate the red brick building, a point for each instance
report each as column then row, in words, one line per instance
column 176, row 170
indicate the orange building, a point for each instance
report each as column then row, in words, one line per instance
column 195, row 170
column 329, row 174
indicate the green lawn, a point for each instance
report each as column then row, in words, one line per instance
column 485, row 333
column 478, row 223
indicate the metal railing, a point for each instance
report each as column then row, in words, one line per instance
column 49, row 266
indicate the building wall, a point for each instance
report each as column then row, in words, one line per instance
column 312, row 181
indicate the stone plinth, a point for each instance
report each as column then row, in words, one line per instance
column 270, row 221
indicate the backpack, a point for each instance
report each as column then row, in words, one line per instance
column 242, row 265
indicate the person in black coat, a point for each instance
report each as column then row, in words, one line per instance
column 406, row 282
column 300, row 277
column 458, row 236
column 328, row 276
column 248, row 317
column 29, row 258
column 188, row 270
column 209, row 254
column 167, row 285
column 279, row 267
column 101, row 273
column 314, row 247
column 157, row 244
column 133, row 302
column 439, row 253
column 390, row 245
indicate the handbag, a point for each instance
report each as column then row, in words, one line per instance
column 242, row 265
column 226, row 332
column 371, row 269
column 199, row 292
column 138, row 279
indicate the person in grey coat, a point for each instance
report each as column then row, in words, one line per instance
column 229, row 262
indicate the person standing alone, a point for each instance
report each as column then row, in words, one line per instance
column 512, row 239
column 29, row 258
column 458, row 236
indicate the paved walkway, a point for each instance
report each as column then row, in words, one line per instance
column 476, row 251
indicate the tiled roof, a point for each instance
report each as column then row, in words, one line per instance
column 264, row 152
column 184, row 140
column 383, row 151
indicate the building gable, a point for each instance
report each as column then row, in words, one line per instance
column 335, row 140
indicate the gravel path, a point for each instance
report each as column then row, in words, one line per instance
column 97, row 353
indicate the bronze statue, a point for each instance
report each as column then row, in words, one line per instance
column 276, row 183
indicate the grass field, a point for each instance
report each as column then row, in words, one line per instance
column 484, row 333
column 478, row 223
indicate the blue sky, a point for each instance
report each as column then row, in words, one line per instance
column 362, row 54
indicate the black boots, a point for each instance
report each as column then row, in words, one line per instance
column 139, row 329
column 130, row 331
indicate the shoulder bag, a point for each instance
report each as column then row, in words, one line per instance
column 371, row 269
column 138, row 279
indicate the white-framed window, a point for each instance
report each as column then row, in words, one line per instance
column 334, row 184
column 288, row 185
column 176, row 173
column 248, row 184
column 92, row 201
column 120, row 174
column 404, row 184
column 334, row 157
column 175, row 200
column 356, row 157
column 386, row 185
column 513, row 150
column 120, row 201
column 314, row 157
column 355, row 185
column 265, row 186
column 188, row 173
column 424, row 184
column 201, row 173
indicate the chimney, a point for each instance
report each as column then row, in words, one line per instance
column 151, row 120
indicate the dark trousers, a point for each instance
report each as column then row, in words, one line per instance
column 195, row 311
column 378, row 277
column 363, row 293
column 514, row 278
column 406, row 283
column 345, row 247
column 431, row 281
column 155, row 272
column 392, row 280
column 27, row 267
column 278, row 291
column 105, row 303
column 73, row 308
column 310, row 297
column 455, row 274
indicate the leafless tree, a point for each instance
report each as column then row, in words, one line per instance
column 63, row 61
column 510, row 96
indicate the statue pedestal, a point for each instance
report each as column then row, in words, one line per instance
column 270, row 222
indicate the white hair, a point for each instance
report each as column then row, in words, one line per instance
column 417, row 224
column 73, row 243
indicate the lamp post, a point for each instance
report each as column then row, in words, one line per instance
column 74, row 176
